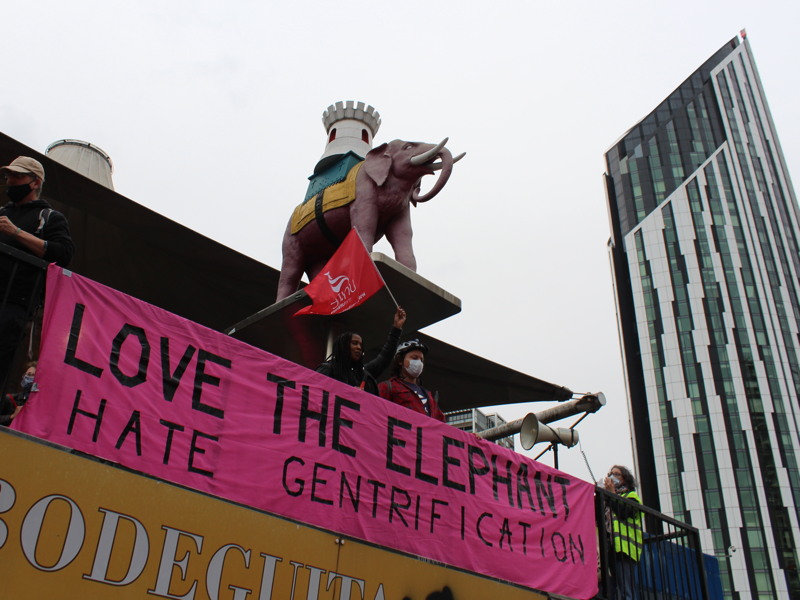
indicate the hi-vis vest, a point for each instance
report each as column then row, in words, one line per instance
column 628, row 533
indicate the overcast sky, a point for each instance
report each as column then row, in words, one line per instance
column 211, row 113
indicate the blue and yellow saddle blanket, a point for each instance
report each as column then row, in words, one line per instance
column 339, row 193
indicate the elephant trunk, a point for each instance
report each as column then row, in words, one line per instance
column 447, row 168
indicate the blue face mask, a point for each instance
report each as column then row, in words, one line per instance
column 27, row 382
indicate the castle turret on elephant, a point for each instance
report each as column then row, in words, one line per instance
column 374, row 198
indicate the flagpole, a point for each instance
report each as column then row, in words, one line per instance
column 397, row 305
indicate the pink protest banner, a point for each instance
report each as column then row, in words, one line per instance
column 131, row 383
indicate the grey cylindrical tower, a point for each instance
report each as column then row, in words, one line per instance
column 85, row 158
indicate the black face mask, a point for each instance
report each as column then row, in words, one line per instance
column 18, row 192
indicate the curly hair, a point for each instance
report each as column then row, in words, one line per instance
column 628, row 480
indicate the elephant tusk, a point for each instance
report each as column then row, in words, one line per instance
column 421, row 159
column 438, row 165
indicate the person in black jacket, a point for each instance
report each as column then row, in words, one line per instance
column 29, row 224
column 346, row 363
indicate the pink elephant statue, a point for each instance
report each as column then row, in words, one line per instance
column 374, row 198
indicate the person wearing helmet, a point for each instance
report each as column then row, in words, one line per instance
column 404, row 387
column 346, row 362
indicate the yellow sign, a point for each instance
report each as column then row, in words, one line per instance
column 73, row 527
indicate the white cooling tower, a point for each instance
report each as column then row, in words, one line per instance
column 85, row 158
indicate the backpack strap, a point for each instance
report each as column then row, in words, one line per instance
column 44, row 217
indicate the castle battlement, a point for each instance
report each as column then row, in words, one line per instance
column 352, row 110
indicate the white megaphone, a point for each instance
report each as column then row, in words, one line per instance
column 532, row 428
column 532, row 431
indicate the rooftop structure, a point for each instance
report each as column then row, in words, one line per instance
column 475, row 421
column 85, row 158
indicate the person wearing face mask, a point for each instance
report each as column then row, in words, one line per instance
column 626, row 531
column 29, row 224
column 11, row 404
column 404, row 387
column 346, row 363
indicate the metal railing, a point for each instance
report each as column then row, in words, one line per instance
column 671, row 565
column 22, row 277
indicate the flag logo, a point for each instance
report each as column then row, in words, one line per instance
column 336, row 283
column 344, row 288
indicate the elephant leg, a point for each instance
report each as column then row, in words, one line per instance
column 314, row 269
column 291, row 267
column 399, row 234
column 365, row 220
column 288, row 282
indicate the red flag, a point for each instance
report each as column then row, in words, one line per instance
column 348, row 279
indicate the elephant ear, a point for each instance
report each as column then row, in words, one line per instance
column 378, row 164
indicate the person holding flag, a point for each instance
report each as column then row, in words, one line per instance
column 346, row 363
column 346, row 281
